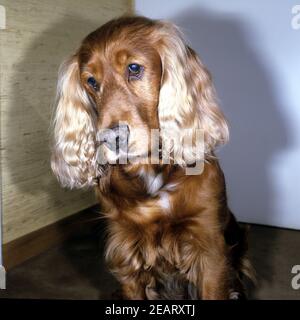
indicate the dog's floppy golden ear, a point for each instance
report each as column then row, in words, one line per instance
column 187, row 96
column 73, row 157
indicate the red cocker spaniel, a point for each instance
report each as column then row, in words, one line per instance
column 137, row 119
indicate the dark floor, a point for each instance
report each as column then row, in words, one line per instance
column 76, row 270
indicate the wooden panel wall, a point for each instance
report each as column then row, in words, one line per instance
column 39, row 35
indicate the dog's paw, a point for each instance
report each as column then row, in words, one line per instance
column 235, row 295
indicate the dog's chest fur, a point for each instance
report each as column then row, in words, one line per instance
column 153, row 229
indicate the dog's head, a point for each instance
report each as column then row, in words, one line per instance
column 130, row 76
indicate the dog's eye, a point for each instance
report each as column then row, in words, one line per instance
column 135, row 71
column 92, row 82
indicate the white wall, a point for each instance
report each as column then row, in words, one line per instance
column 254, row 56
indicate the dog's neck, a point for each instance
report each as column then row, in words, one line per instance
column 137, row 181
column 146, row 195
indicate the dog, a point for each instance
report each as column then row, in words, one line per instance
column 171, row 234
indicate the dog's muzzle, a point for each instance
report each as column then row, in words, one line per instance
column 116, row 138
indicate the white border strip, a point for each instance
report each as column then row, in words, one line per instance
column 2, row 18
column 2, row 270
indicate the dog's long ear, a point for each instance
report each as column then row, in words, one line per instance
column 73, row 154
column 187, row 96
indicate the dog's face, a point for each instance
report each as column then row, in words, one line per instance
column 123, row 81
column 129, row 76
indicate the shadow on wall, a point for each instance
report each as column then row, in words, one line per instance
column 256, row 127
column 32, row 89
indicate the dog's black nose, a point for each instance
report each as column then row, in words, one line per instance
column 115, row 138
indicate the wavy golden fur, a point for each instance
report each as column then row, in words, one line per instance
column 171, row 235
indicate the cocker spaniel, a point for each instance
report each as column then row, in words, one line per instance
column 137, row 119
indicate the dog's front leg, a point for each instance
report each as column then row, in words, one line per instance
column 132, row 281
column 214, row 284
column 206, row 266
column 133, row 290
